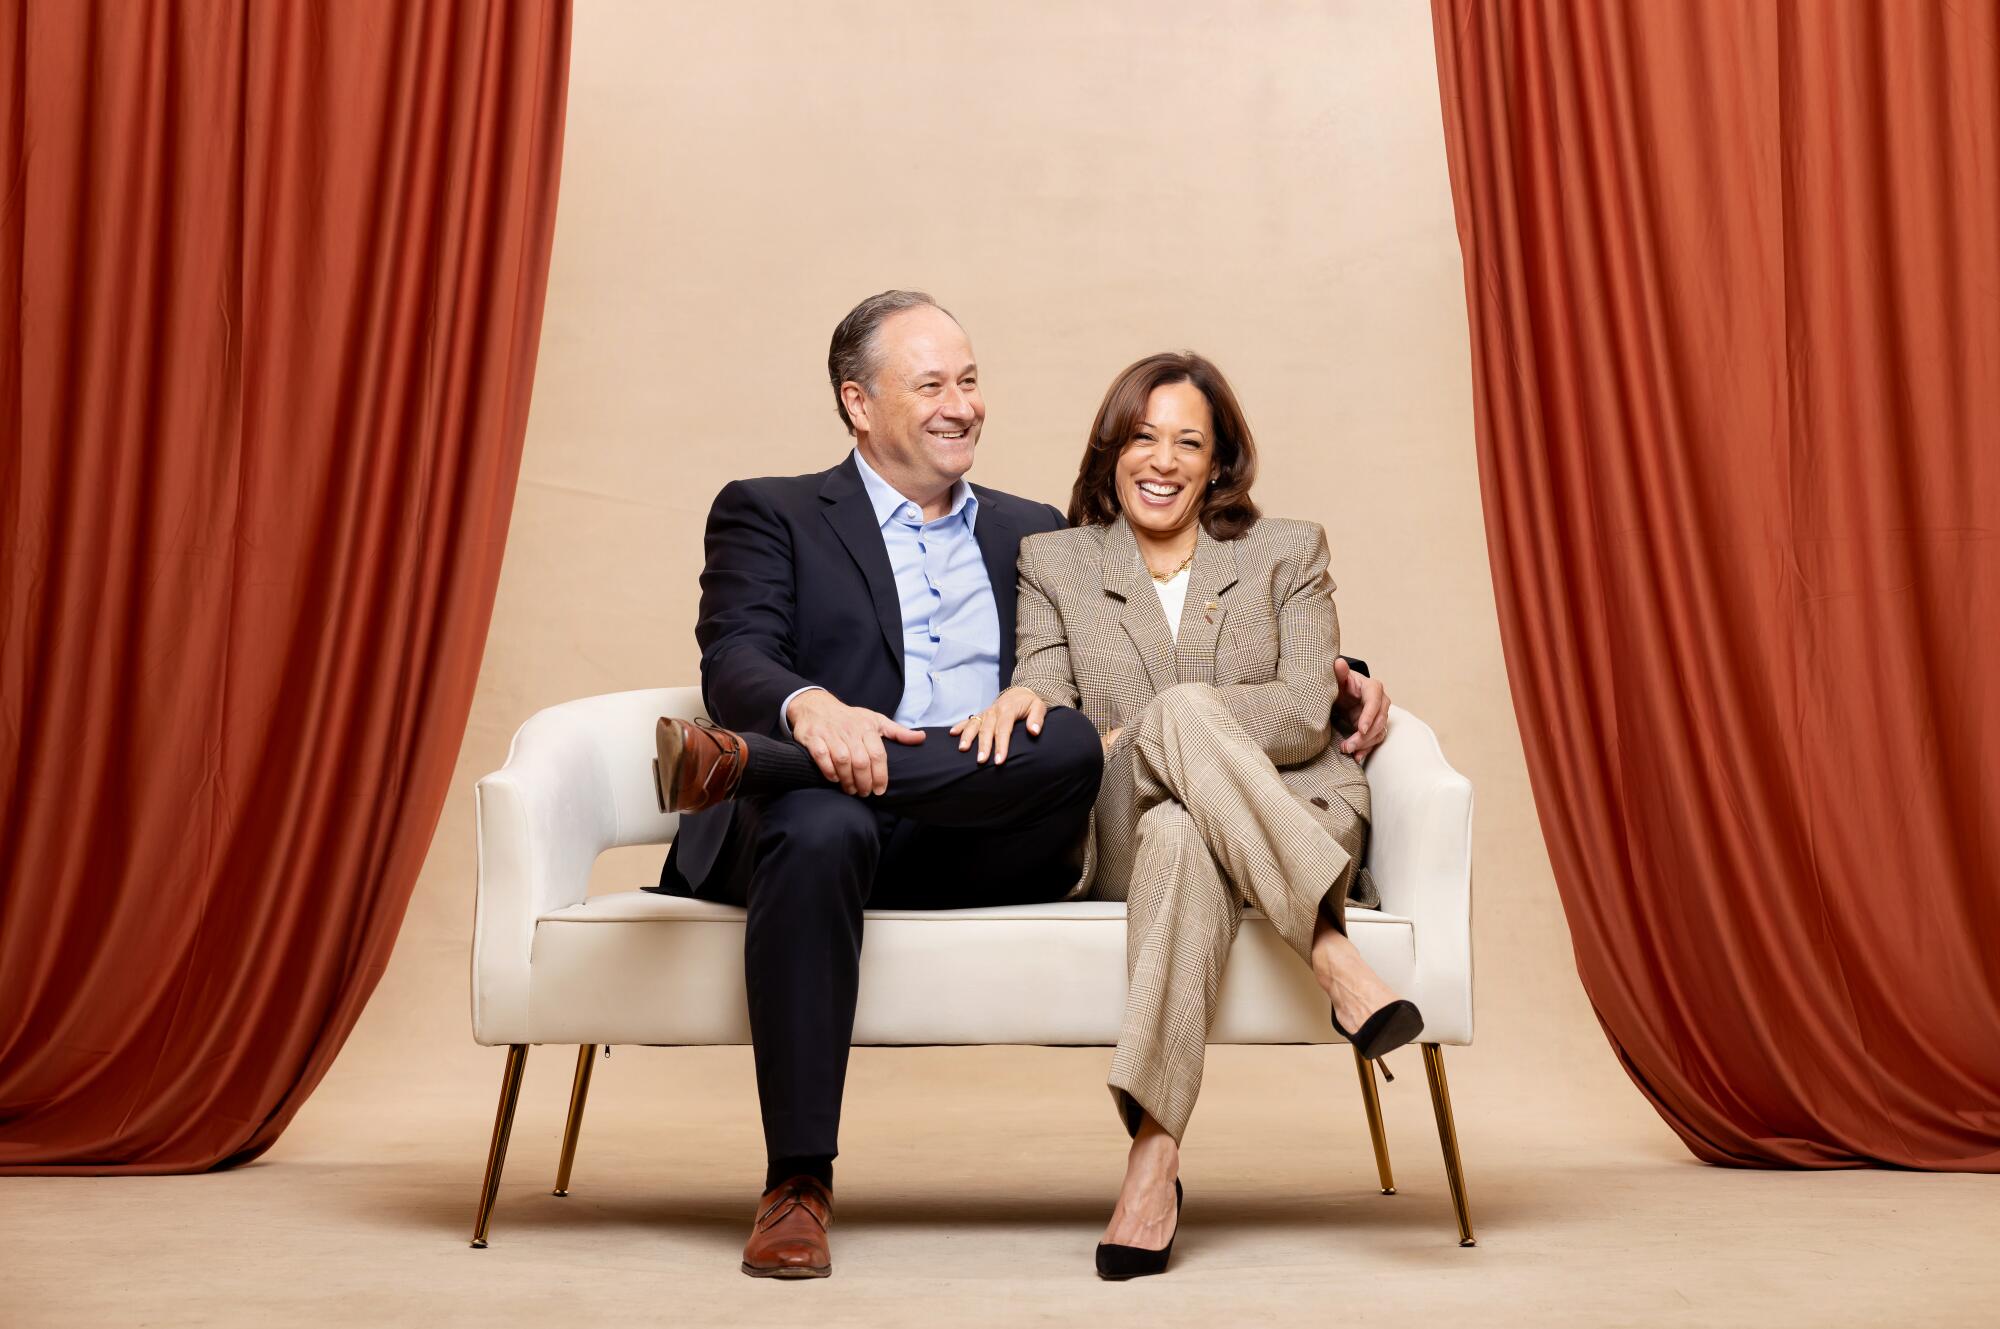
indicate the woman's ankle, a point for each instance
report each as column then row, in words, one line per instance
column 1336, row 960
column 1153, row 1151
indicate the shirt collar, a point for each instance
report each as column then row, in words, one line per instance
column 886, row 500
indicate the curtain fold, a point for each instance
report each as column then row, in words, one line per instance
column 276, row 273
column 1734, row 292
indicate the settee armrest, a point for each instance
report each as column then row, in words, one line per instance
column 1420, row 854
column 577, row 781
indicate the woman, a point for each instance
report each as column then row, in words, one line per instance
column 1201, row 640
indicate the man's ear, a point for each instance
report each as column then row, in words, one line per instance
column 856, row 402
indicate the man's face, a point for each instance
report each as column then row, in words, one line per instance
column 919, row 425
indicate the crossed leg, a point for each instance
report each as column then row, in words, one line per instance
column 1216, row 826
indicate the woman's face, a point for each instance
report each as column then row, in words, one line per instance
column 1167, row 464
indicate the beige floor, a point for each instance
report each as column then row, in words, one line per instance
column 973, row 1183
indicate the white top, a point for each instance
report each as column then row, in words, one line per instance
column 1173, row 594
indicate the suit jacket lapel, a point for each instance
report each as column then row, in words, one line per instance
column 852, row 517
column 1000, row 546
column 1144, row 621
column 1209, row 580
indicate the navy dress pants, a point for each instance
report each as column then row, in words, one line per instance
column 949, row 834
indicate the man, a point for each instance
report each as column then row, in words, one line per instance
column 847, row 620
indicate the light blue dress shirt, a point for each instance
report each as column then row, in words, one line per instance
column 951, row 626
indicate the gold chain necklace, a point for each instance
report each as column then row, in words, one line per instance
column 1164, row 578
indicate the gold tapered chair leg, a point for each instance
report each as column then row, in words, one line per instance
column 503, row 1126
column 585, row 1059
column 1454, row 1168
column 1372, row 1101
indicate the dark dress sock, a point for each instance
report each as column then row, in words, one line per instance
column 776, row 766
column 782, row 1170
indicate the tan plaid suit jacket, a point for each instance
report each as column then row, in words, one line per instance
column 1259, row 625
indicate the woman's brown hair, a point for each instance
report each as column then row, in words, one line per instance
column 1226, row 509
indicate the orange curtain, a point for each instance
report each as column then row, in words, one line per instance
column 1733, row 273
column 274, row 276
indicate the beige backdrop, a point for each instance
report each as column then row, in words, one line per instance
column 1083, row 184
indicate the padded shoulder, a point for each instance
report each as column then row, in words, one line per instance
column 1071, row 542
column 773, row 491
column 1030, row 515
column 1284, row 536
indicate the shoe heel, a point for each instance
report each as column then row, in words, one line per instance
column 1389, row 1028
column 668, row 744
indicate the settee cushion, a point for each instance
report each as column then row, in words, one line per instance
column 1031, row 974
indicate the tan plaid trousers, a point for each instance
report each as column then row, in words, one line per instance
column 1207, row 826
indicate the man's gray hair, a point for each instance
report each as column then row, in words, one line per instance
column 852, row 356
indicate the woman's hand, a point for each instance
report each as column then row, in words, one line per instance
column 992, row 727
column 1364, row 704
column 1110, row 737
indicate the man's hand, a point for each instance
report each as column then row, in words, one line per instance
column 1364, row 704
column 846, row 741
column 992, row 727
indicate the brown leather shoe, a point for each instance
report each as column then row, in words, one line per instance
column 789, row 1238
column 698, row 766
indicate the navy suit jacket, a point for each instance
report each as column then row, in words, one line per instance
column 797, row 591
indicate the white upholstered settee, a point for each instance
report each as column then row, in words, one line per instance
column 553, row 965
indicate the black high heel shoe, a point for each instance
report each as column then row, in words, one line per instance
column 1384, row 1031
column 1116, row 1263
